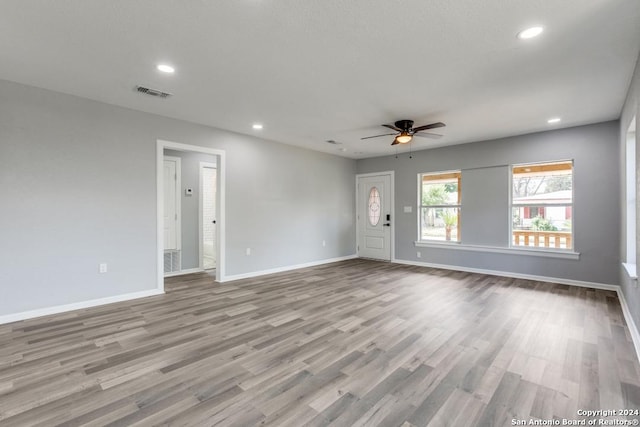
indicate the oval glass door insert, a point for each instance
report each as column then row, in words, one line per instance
column 374, row 206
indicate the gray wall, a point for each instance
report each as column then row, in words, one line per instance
column 78, row 187
column 595, row 151
column 629, row 111
column 189, row 205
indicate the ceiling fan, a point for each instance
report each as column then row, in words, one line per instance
column 405, row 131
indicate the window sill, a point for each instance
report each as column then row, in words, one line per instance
column 500, row 250
column 631, row 270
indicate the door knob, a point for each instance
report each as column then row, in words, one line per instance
column 386, row 225
column 214, row 221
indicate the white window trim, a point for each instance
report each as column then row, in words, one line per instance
column 420, row 206
column 511, row 205
column 631, row 271
column 630, row 197
column 547, row 253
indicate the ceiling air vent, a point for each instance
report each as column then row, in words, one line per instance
column 152, row 92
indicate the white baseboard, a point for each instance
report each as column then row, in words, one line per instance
column 285, row 268
column 183, row 272
column 633, row 330
column 558, row 280
column 14, row 317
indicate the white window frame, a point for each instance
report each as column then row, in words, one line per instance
column 513, row 205
column 421, row 206
column 631, row 201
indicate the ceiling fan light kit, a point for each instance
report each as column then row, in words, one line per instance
column 403, row 138
column 406, row 131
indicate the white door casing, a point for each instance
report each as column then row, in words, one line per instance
column 374, row 210
column 221, row 157
column 171, row 211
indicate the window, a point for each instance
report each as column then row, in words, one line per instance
column 631, row 193
column 440, row 206
column 542, row 205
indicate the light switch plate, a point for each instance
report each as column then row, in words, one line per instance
column 408, row 209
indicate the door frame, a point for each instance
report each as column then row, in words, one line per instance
column 392, row 209
column 220, row 206
column 201, row 166
column 178, row 182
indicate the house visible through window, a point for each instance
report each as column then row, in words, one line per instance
column 440, row 206
column 542, row 205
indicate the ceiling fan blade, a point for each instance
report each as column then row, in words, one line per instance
column 377, row 136
column 428, row 135
column 431, row 126
column 393, row 127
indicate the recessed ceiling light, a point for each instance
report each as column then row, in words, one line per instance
column 257, row 126
column 166, row 68
column 342, row 149
column 530, row 33
column 554, row 120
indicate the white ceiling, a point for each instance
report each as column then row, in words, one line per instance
column 311, row 71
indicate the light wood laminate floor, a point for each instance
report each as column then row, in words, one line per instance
column 355, row 343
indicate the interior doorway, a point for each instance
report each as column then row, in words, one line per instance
column 208, row 222
column 219, row 205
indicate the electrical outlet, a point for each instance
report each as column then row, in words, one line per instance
column 419, row 254
column 103, row 268
column 248, row 251
column 324, row 243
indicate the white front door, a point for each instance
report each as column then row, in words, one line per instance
column 374, row 216
column 170, row 172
